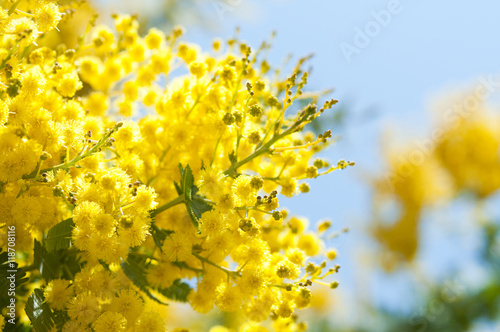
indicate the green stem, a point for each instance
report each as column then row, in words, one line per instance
column 265, row 136
column 4, row 62
column 235, row 92
column 25, row 51
column 205, row 260
column 13, row 7
column 263, row 149
column 164, row 153
column 192, row 107
column 183, row 265
column 215, row 150
column 158, row 210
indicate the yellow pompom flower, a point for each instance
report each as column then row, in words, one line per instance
column 285, row 309
column 303, row 297
column 225, row 202
column 17, row 158
column 260, row 307
column 243, row 192
column 145, row 199
column 84, row 308
column 25, row 28
column 309, row 243
column 85, row 212
column 58, row 293
column 81, row 236
column 73, row 110
column 137, row 51
column 104, row 224
column 128, row 136
column 331, row 254
column 154, row 38
column 114, row 180
column 133, row 231
column 33, row 82
column 103, row 247
column 150, row 97
column 69, row 85
column 289, row 187
column 128, row 303
column 90, row 68
column 163, row 275
column 131, row 163
column 26, row 209
column 212, row 222
column 110, row 321
column 97, row 104
column 176, row 247
column 201, row 301
column 210, row 182
column 287, row 270
column 103, row 38
column 253, row 252
column 296, row 256
column 298, row 225
column 130, row 90
column 151, row 322
column 47, row 16
column 197, row 69
column 253, row 282
column 228, row 298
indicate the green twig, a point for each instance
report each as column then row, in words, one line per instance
column 166, row 206
column 263, row 149
column 206, row 260
column 13, row 7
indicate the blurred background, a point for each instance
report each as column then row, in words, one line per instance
column 418, row 84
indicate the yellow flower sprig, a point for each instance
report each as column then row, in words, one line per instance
column 96, row 147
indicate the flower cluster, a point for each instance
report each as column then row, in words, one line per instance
column 132, row 165
column 461, row 155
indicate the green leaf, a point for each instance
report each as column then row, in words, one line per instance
column 136, row 273
column 159, row 234
column 200, row 206
column 59, row 236
column 179, row 291
column 187, row 182
column 48, row 262
column 192, row 215
column 178, row 188
column 39, row 313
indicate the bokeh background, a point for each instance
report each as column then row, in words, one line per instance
column 422, row 251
